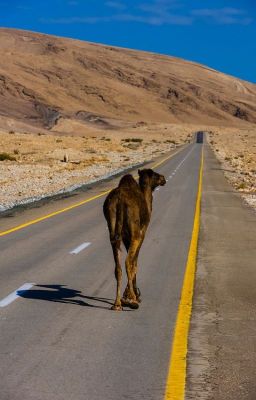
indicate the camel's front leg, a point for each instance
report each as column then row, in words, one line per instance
column 118, row 274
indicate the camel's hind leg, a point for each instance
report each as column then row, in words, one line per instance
column 118, row 274
column 126, row 294
column 137, row 292
column 136, row 289
column 131, row 299
column 127, row 242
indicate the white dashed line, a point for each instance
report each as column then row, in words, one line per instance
column 15, row 295
column 80, row 248
column 180, row 164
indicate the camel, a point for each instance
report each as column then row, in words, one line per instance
column 127, row 210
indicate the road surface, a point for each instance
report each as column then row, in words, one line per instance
column 59, row 340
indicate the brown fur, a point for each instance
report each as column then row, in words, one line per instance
column 127, row 210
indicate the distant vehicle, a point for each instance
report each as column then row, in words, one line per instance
column 200, row 137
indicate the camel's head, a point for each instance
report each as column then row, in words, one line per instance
column 147, row 177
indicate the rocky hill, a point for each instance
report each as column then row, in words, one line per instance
column 63, row 84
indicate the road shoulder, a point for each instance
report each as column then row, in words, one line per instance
column 221, row 357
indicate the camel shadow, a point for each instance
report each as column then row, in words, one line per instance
column 62, row 294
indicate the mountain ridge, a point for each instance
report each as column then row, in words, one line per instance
column 45, row 80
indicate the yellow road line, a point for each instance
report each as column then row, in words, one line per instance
column 176, row 380
column 35, row 221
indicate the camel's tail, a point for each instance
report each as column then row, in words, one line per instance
column 119, row 223
column 114, row 215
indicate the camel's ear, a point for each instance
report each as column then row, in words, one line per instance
column 139, row 172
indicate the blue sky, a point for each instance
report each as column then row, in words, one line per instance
column 218, row 33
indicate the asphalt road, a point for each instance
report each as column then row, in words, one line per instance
column 59, row 339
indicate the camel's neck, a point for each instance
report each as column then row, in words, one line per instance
column 147, row 192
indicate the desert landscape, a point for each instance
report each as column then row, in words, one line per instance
column 72, row 112
column 236, row 150
column 91, row 277
column 41, row 165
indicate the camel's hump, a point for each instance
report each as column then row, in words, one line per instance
column 128, row 181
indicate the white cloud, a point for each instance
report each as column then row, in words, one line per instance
column 116, row 5
column 150, row 20
column 160, row 12
column 225, row 16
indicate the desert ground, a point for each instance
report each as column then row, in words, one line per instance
column 44, row 164
column 236, row 150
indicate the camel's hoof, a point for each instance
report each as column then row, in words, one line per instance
column 130, row 303
column 116, row 308
column 134, row 305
